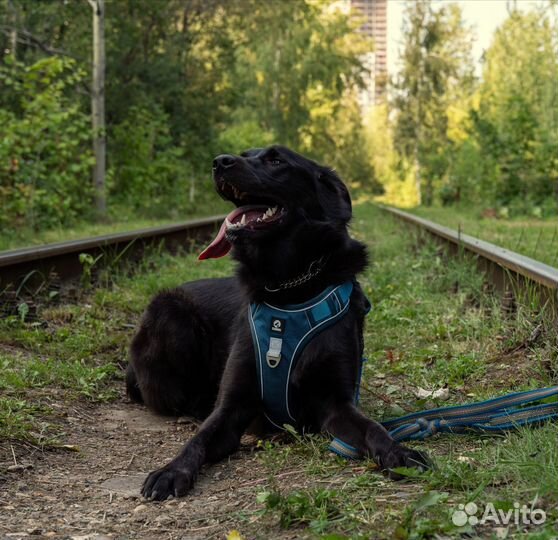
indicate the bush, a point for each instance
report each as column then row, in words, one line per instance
column 148, row 172
column 45, row 140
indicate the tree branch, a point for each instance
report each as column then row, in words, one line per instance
column 24, row 37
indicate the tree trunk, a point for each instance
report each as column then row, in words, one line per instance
column 418, row 182
column 98, row 106
column 192, row 188
column 13, row 31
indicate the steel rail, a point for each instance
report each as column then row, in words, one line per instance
column 62, row 258
column 507, row 270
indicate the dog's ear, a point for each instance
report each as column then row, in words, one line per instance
column 333, row 195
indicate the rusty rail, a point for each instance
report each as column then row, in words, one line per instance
column 62, row 258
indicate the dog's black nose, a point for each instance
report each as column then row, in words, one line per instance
column 225, row 161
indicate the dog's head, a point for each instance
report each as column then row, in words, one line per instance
column 275, row 190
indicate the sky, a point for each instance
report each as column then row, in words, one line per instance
column 483, row 15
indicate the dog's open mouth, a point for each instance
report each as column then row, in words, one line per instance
column 250, row 217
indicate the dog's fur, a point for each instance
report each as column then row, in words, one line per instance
column 193, row 354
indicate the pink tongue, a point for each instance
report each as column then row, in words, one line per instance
column 218, row 248
column 220, row 245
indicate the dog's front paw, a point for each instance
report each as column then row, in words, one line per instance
column 401, row 456
column 168, row 481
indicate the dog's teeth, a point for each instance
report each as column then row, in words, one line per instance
column 274, row 209
column 228, row 223
column 269, row 212
column 243, row 220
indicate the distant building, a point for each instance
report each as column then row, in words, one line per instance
column 374, row 15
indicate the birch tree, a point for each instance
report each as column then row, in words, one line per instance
column 98, row 105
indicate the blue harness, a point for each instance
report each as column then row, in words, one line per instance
column 280, row 335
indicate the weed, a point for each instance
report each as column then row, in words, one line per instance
column 317, row 508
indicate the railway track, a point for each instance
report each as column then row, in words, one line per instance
column 515, row 276
column 62, row 259
column 510, row 273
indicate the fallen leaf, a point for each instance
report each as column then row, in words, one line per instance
column 441, row 393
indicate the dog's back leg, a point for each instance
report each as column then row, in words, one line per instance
column 173, row 365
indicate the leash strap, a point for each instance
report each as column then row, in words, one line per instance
column 339, row 447
column 280, row 335
column 493, row 415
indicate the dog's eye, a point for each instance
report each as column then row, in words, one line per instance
column 274, row 161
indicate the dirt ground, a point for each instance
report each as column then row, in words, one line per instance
column 90, row 490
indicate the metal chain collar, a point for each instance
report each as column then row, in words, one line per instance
column 313, row 270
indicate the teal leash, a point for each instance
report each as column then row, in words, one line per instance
column 495, row 415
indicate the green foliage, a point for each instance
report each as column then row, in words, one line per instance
column 437, row 70
column 185, row 80
column 189, row 79
column 44, row 144
column 86, row 380
column 148, row 171
column 296, row 68
column 391, row 171
column 516, row 120
column 337, row 136
column 490, row 142
column 316, row 508
column 243, row 135
column 293, row 58
column 18, row 419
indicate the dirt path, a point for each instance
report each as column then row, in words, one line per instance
column 93, row 493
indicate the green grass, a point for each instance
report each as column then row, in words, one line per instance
column 536, row 238
column 431, row 326
column 76, row 350
column 22, row 237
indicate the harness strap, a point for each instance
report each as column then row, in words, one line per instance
column 306, row 320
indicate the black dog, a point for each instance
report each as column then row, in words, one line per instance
column 194, row 353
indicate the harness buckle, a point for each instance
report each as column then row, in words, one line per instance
column 273, row 355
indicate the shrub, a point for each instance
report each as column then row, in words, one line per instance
column 45, row 157
column 148, row 172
